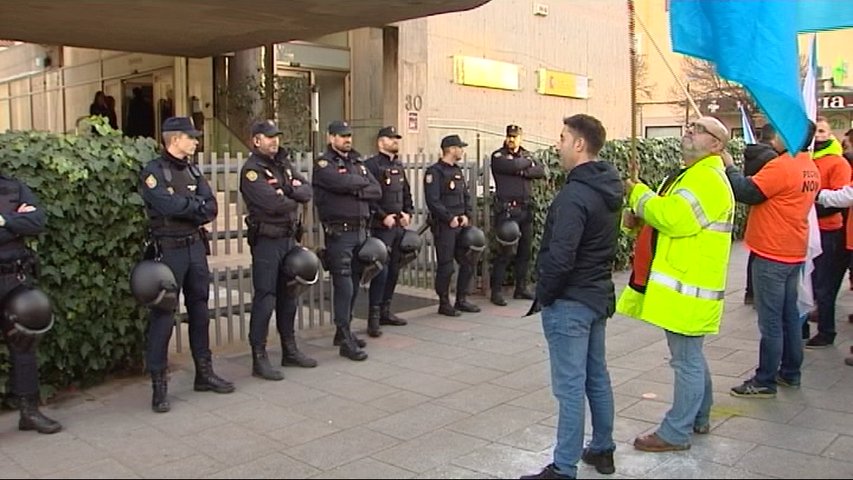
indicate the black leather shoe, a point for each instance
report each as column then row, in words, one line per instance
column 159, row 397
column 350, row 348
column 339, row 339
column 33, row 419
column 465, row 306
column 498, row 299
column 206, row 380
column 523, row 294
column 602, row 461
column 448, row 310
column 292, row 357
column 261, row 366
column 549, row 472
column 373, row 328
column 388, row 318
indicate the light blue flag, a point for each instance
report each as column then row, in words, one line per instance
column 818, row 15
column 754, row 43
column 748, row 135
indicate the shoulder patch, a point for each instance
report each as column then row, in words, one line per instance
column 151, row 181
column 322, row 163
column 251, row 175
column 428, row 178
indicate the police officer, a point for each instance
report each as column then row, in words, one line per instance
column 20, row 217
column 273, row 192
column 391, row 215
column 179, row 202
column 514, row 170
column 449, row 204
column 343, row 191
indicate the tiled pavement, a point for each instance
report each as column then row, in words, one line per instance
column 447, row 398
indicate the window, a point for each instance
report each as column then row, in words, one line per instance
column 663, row 131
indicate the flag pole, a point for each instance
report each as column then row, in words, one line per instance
column 671, row 71
column 633, row 163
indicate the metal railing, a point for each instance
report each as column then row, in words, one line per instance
column 230, row 260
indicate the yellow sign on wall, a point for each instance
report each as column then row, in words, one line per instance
column 562, row 84
column 482, row 72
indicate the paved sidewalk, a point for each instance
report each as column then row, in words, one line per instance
column 448, row 398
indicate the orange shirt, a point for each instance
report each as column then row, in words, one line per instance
column 834, row 174
column 778, row 227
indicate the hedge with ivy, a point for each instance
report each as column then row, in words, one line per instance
column 658, row 157
column 86, row 184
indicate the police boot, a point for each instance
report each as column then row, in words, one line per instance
column 33, row 419
column 464, row 305
column 339, row 339
column 159, row 400
column 523, row 293
column 497, row 297
column 445, row 308
column 350, row 348
column 292, row 357
column 208, row 381
column 388, row 318
column 261, row 365
column 373, row 322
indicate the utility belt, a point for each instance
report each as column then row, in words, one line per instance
column 20, row 267
column 350, row 225
column 184, row 241
column 513, row 204
column 275, row 230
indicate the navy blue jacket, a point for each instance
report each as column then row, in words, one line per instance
column 579, row 244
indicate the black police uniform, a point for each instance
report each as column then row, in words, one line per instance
column 273, row 203
column 447, row 197
column 17, row 266
column 179, row 201
column 343, row 190
column 396, row 199
column 513, row 173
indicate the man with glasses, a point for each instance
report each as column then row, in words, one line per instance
column 678, row 280
column 343, row 191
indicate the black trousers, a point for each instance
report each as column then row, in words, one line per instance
column 340, row 252
column 23, row 371
column 446, row 252
column 524, row 217
column 189, row 264
column 269, row 284
column 827, row 277
column 382, row 286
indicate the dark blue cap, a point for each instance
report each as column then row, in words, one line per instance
column 181, row 124
column 339, row 127
column 389, row 132
column 452, row 141
column 267, row 128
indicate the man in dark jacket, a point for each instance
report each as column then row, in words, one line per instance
column 754, row 157
column 575, row 289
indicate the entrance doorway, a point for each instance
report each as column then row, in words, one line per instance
column 147, row 100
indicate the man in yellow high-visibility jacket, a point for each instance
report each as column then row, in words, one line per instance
column 679, row 278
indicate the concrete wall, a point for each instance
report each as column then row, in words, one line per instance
column 587, row 38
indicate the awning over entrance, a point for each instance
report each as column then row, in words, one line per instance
column 201, row 28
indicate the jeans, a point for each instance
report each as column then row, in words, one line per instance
column 778, row 320
column 575, row 335
column 693, row 396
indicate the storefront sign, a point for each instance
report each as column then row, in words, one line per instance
column 482, row 72
column 562, row 84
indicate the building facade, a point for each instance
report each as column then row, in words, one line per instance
column 472, row 72
column 664, row 111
